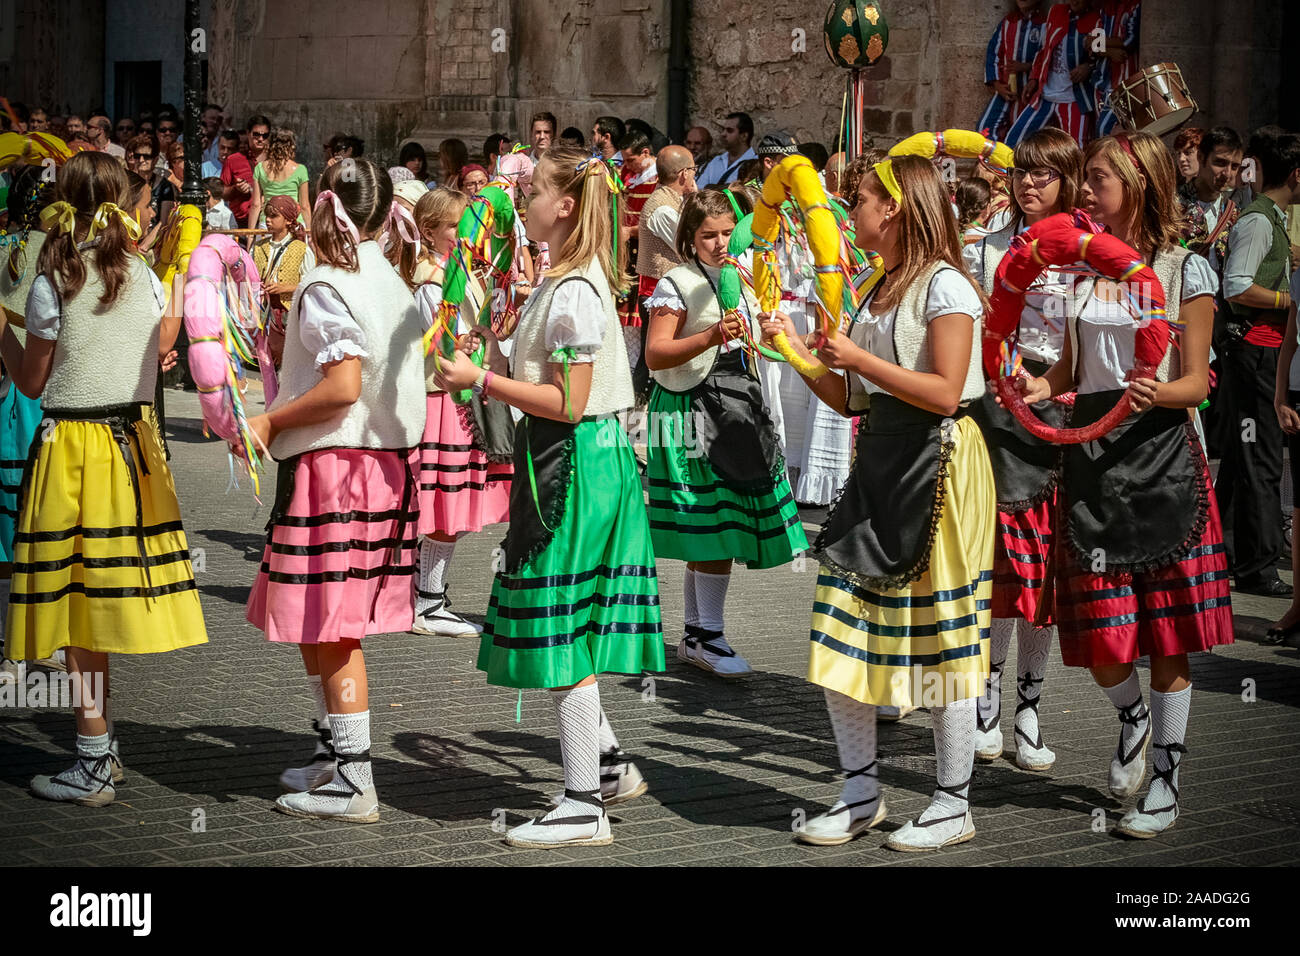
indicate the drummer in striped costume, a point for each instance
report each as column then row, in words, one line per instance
column 902, row 610
column 578, row 595
column 718, row 493
column 640, row 180
column 340, row 550
column 101, row 562
column 1007, row 62
column 1045, row 181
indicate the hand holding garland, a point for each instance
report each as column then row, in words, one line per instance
column 563, row 399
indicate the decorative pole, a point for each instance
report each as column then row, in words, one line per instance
column 193, row 192
column 856, row 36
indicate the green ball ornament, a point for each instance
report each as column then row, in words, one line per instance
column 856, row 33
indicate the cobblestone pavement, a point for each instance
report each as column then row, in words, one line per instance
column 206, row 731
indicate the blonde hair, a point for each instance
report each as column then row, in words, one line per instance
column 927, row 229
column 435, row 208
column 280, row 149
column 1152, row 209
column 569, row 171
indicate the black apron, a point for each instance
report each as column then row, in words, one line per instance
column 1136, row 499
column 1025, row 469
column 543, row 459
column 880, row 531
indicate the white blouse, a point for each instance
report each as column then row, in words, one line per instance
column 1042, row 320
column 1107, row 332
column 665, row 296
column 950, row 292
column 576, row 320
column 44, row 311
column 327, row 328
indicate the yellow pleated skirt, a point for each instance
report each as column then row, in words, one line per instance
column 92, row 568
column 925, row 645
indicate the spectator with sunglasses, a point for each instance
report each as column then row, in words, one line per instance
column 142, row 153
column 123, row 132
column 99, row 132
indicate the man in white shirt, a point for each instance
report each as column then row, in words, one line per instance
column 542, row 131
column 737, row 134
column 99, row 132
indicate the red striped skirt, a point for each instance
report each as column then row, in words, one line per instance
column 1020, row 560
column 1115, row 618
column 339, row 562
column 460, row 490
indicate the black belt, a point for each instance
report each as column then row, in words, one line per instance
column 120, row 420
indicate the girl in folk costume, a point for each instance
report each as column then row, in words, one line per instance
column 1060, row 86
column 1007, row 63
column 101, row 562
column 340, row 549
column 578, row 595
column 901, row 614
column 282, row 260
column 1045, row 181
column 719, row 493
column 461, row 487
column 1162, row 590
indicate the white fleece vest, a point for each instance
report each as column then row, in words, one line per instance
column 391, row 408
column 106, row 356
column 530, row 359
column 912, row 333
column 702, row 313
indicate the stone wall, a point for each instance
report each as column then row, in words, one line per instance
column 53, row 54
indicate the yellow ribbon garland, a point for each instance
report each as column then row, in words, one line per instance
column 101, row 220
column 62, row 215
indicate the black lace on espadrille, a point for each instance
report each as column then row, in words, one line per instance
column 1131, row 715
column 869, row 771
column 1175, row 752
column 589, row 797
column 1024, row 703
column 958, row 790
column 703, row 637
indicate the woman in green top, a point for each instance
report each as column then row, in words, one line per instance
column 280, row 175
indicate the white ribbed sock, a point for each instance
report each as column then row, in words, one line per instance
column 352, row 737
column 688, row 592
column 1127, row 698
column 577, row 711
column 954, row 751
column 318, row 694
column 605, row 734
column 854, row 724
column 990, row 704
column 1032, row 650
column 711, row 598
column 435, row 556
column 1168, row 732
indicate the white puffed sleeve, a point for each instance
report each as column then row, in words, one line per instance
column 327, row 328
column 1198, row 278
column 950, row 292
column 973, row 256
column 427, row 299
column 665, row 296
column 43, row 314
column 575, row 326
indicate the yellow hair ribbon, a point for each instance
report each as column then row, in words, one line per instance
column 61, row 214
column 101, row 220
column 885, row 170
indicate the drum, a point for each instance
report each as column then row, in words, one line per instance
column 1154, row 101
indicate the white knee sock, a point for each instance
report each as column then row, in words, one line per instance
column 990, row 705
column 605, row 734
column 854, row 724
column 1168, row 731
column 692, row 606
column 954, row 751
column 711, row 597
column 322, row 712
column 1127, row 698
column 434, row 558
column 352, row 740
column 1032, row 650
column 577, row 711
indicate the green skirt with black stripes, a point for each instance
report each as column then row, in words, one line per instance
column 588, row 603
column 695, row 515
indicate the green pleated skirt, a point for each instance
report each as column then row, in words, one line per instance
column 694, row 516
column 589, row 602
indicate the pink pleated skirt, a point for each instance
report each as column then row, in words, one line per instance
column 339, row 562
column 460, row 490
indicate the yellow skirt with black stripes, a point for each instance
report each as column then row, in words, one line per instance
column 925, row 645
column 100, row 558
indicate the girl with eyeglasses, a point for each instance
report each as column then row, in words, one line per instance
column 1044, row 182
